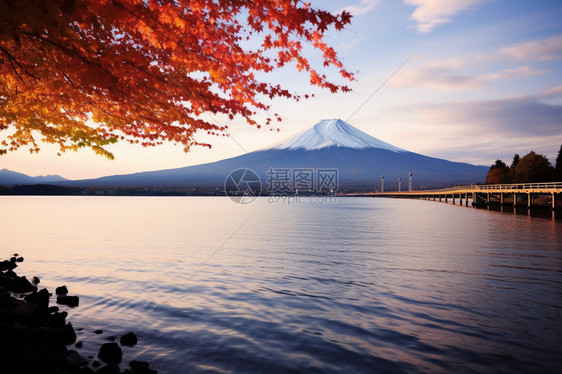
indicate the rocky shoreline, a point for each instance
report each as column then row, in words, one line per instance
column 36, row 337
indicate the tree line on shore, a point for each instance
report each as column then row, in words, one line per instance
column 531, row 168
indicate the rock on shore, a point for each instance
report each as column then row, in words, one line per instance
column 34, row 337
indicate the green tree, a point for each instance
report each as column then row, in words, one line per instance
column 533, row 168
column 559, row 165
column 499, row 173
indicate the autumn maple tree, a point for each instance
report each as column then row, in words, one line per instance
column 87, row 73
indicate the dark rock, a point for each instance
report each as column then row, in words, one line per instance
column 5, row 299
column 41, row 298
column 75, row 359
column 13, row 260
column 138, row 364
column 109, row 369
column 79, row 345
column 19, row 259
column 22, row 285
column 58, row 319
column 129, row 339
column 71, row 301
column 86, row 370
column 19, row 311
column 98, row 332
column 96, row 364
column 110, row 353
column 7, row 265
column 62, row 290
column 10, row 274
column 141, row 367
column 53, row 309
column 35, row 280
column 67, row 334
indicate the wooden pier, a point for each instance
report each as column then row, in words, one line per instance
column 528, row 195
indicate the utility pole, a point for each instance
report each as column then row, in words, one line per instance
column 382, row 183
column 410, row 182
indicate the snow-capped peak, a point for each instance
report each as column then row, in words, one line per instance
column 333, row 132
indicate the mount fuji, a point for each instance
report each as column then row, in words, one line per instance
column 333, row 133
column 331, row 144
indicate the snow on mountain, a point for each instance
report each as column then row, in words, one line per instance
column 330, row 133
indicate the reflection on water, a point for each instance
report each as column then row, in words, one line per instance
column 540, row 212
column 365, row 285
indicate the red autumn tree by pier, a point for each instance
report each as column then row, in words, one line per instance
column 86, row 73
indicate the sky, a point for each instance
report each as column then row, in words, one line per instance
column 464, row 80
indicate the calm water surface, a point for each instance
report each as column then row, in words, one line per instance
column 360, row 286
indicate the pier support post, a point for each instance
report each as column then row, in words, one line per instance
column 453, row 199
column 553, row 201
column 466, row 199
column 529, row 200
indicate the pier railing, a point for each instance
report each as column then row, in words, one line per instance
column 514, row 187
column 486, row 194
column 520, row 186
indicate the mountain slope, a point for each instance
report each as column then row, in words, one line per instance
column 333, row 144
column 10, row 178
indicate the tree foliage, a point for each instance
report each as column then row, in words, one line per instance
column 514, row 163
column 498, row 173
column 559, row 165
column 533, row 168
column 86, row 73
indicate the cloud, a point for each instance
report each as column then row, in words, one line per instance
column 477, row 131
column 477, row 70
column 554, row 91
column 432, row 13
column 441, row 78
column 365, row 6
column 537, row 50
column 445, row 76
column 518, row 72
column 523, row 116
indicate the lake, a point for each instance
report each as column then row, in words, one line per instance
column 357, row 285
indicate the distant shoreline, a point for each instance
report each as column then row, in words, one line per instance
column 55, row 190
